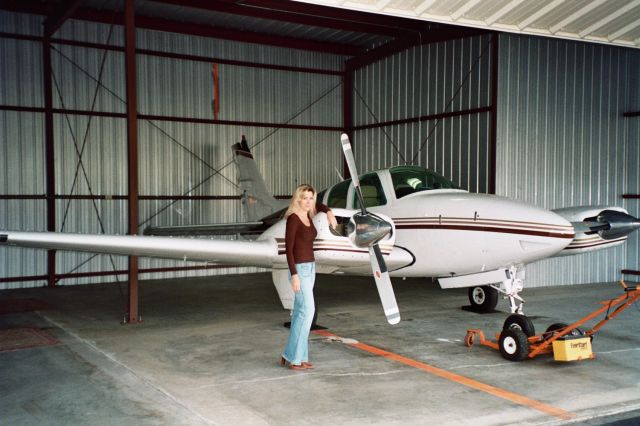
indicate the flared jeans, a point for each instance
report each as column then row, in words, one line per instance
column 297, row 349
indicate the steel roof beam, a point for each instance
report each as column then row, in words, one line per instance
column 62, row 12
column 272, row 10
column 159, row 24
column 315, row 11
column 400, row 44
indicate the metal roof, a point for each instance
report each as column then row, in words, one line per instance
column 615, row 22
column 365, row 30
column 200, row 13
column 276, row 22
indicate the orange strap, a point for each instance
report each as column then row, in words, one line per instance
column 495, row 391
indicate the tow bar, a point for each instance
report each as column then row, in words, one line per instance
column 517, row 342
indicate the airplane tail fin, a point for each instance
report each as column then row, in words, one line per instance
column 257, row 201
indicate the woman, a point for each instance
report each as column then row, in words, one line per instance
column 299, row 238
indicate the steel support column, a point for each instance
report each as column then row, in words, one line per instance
column 132, row 151
column 49, row 156
column 493, row 136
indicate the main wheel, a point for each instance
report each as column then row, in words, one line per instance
column 514, row 344
column 520, row 322
column 483, row 298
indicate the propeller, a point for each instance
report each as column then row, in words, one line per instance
column 366, row 230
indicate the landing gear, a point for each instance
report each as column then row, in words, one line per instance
column 512, row 286
column 483, row 298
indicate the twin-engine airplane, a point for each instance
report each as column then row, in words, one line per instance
column 405, row 221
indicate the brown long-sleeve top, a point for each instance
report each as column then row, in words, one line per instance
column 298, row 239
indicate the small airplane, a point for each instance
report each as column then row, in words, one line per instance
column 404, row 221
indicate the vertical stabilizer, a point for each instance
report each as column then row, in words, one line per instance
column 257, row 202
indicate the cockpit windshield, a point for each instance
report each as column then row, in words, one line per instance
column 410, row 179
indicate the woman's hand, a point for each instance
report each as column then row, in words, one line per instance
column 295, row 283
column 332, row 219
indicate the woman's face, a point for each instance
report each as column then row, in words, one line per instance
column 306, row 202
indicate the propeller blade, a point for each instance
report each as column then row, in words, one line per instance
column 383, row 282
column 353, row 171
column 379, row 230
column 351, row 162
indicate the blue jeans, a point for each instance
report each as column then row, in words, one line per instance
column 297, row 349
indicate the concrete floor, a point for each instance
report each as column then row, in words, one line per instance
column 207, row 353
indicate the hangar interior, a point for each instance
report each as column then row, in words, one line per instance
column 538, row 116
column 537, row 119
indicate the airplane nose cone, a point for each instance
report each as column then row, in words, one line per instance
column 364, row 230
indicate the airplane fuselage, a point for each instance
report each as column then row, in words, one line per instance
column 467, row 233
column 454, row 232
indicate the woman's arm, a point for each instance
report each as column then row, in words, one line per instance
column 330, row 216
column 289, row 243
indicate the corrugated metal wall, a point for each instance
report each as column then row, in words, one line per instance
column 426, row 80
column 176, row 158
column 21, row 143
column 563, row 141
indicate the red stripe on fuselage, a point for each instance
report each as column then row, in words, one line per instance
column 491, row 229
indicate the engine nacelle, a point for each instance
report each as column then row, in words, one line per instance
column 597, row 227
column 612, row 224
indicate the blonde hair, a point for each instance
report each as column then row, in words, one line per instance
column 297, row 196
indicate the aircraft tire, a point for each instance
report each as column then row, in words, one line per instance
column 513, row 344
column 519, row 322
column 483, row 298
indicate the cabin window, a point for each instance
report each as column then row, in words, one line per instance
column 320, row 196
column 410, row 179
column 338, row 195
column 341, row 229
column 372, row 192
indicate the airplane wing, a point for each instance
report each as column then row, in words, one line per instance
column 209, row 229
column 260, row 253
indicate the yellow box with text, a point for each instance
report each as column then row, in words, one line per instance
column 572, row 348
